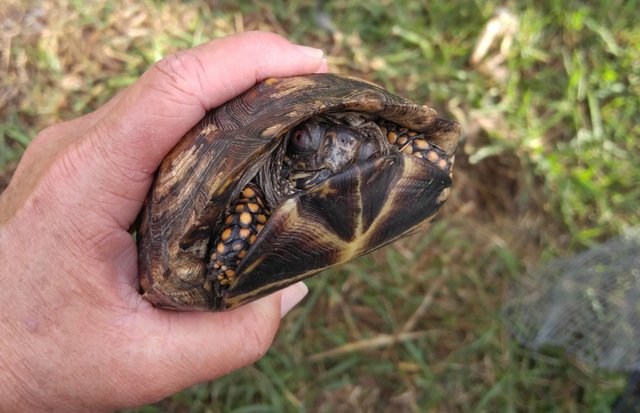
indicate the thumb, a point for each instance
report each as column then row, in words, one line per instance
column 204, row 346
column 115, row 161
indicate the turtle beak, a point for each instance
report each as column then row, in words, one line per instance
column 339, row 148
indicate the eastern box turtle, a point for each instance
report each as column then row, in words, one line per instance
column 292, row 177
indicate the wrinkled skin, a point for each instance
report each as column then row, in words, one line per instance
column 321, row 148
column 75, row 334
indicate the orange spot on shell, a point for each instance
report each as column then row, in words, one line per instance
column 245, row 219
column 420, row 144
column 432, row 156
column 407, row 149
column 221, row 249
column 402, row 140
column 248, row 192
column 442, row 164
column 262, row 218
column 392, row 137
column 244, row 233
column 226, row 234
column 253, row 207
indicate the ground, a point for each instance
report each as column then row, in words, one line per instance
column 547, row 95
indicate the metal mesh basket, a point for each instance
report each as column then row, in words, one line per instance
column 588, row 305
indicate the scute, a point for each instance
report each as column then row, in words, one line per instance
column 214, row 161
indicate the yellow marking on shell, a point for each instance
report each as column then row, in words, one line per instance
column 273, row 130
column 251, row 268
column 253, row 207
column 242, row 254
column 412, row 170
column 412, row 133
column 443, row 195
column 245, row 219
column 226, row 234
column 352, row 249
column 230, row 273
column 442, row 164
column 239, row 208
column 420, row 144
column 348, row 250
column 228, row 220
column 324, row 190
column 225, row 184
column 259, row 227
column 237, row 245
column 407, row 149
column 392, row 137
column 208, row 129
column 262, row 218
column 220, row 249
column 239, row 299
column 289, row 209
column 244, row 233
column 402, row 140
column 432, row 156
column 252, row 239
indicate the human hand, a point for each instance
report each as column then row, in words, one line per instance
column 75, row 334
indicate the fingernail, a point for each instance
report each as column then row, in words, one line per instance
column 291, row 296
column 324, row 66
column 311, row 51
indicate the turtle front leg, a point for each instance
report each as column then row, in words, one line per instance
column 243, row 221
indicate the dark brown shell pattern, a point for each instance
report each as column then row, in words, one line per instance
column 367, row 206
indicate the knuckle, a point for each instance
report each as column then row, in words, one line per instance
column 182, row 71
column 116, row 157
column 46, row 134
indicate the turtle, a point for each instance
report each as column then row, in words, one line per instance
column 291, row 177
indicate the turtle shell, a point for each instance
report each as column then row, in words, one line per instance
column 364, row 207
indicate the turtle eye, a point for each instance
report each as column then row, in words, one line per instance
column 368, row 150
column 298, row 138
column 306, row 139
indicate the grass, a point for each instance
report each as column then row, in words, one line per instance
column 547, row 167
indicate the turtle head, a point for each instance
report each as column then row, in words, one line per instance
column 321, row 148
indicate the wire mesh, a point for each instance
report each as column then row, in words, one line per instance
column 587, row 304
